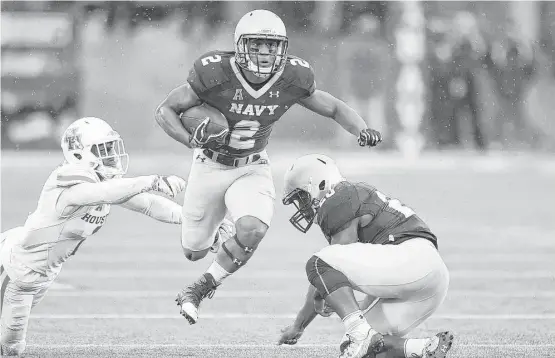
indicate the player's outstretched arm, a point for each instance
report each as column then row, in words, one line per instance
column 292, row 333
column 155, row 206
column 167, row 113
column 117, row 191
column 329, row 106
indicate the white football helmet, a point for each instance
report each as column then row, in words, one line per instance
column 261, row 25
column 91, row 141
column 307, row 182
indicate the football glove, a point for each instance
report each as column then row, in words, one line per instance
column 169, row 185
column 369, row 137
column 200, row 137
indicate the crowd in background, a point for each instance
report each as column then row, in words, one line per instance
column 465, row 66
column 460, row 61
column 297, row 15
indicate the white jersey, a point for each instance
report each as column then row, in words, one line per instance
column 50, row 234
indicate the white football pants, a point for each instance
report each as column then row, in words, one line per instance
column 20, row 290
column 407, row 282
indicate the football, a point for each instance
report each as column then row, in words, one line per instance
column 192, row 117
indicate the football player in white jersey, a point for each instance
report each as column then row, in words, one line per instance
column 73, row 205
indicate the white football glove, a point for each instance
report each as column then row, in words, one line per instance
column 169, row 185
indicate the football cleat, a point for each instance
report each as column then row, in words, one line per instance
column 366, row 348
column 190, row 297
column 438, row 346
column 224, row 233
column 13, row 351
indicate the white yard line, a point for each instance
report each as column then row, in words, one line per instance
column 349, row 160
column 473, row 317
column 255, row 346
column 66, row 291
column 287, row 274
column 93, row 258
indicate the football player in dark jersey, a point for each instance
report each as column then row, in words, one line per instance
column 253, row 87
column 379, row 247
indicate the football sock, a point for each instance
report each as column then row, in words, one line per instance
column 218, row 272
column 356, row 325
column 415, row 346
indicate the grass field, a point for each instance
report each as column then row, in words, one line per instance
column 494, row 216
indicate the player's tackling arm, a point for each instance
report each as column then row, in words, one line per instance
column 155, row 206
column 329, row 106
column 114, row 191
column 167, row 113
column 82, row 190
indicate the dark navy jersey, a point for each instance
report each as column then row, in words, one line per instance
column 391, row 223
column 251, row 113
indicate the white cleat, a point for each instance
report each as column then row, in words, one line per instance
column 438, row 346
column 190, row 312
column 189, row 298
column 366, row 348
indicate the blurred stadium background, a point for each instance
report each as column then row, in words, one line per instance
column 430, row 75
column 467, row 85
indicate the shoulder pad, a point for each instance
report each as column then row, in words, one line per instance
column 208, row 71
column 338, row 209
column 68, row 175
column 299, row 73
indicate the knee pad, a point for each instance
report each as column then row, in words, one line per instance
column 325, row 278
column 245, row 250
column 251, row 231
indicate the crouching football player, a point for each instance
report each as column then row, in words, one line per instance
column 73, row 205
column 378, row 247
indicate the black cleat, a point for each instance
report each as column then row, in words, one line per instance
column 190, row 298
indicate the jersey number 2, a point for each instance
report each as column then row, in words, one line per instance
column 211, row 59
column 298, row 61
column 396, row 205
column 243, row 130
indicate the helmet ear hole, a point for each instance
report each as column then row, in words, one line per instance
column 78, row 156
column 322, row 185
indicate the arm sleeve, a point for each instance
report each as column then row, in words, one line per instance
column 196, row 82
column 113, row 191
column 310, row 83
column 302, row 80
column 207, row 73
column 155, row 206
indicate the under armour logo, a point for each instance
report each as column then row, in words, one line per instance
column 237, row 262
column 202, row 159
column 391, row 238
column 272, row 94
